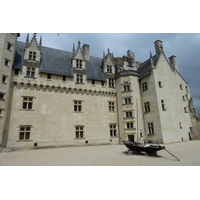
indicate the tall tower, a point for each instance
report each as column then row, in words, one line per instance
column 130, row 117
column 7, row 55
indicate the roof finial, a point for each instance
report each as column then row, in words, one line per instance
column 79, row 43
column 34, row 35
column 73, row 49
column 27, row 39
column 103, row 54
column 40, row 43
column 108, row 50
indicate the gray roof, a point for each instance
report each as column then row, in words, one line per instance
column 58, row 62
column 145, row 67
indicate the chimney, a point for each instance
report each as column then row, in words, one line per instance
column 173, row 63
column 86, row 51
column 131, row 54
column 159, row 47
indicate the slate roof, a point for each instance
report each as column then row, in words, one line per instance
column 145, row 67
column 58, row 62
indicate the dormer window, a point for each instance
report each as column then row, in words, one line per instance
column 78, row 63
column 109, row 68
column 32, row 55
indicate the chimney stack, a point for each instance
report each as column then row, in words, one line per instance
column 173, row 63
column 159, row 47
column 86, row 51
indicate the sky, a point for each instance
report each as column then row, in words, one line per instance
column 185, row 46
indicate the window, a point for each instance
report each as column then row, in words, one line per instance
column 160, row 84
column 113, row 130
column 111, row 106
column 32, row 55
column 147, row 107
column 1, row 112
column 79, row 131
column 64, row 78
column 111, row 83
column 9, row 45
column 181, row 87
column 144, row 86
column 93, row 82
column 127, row 100
column 183, row 98
column 24, row 132
column 30, row 72
column 126, row 88
column 4, row 79
column 49, row 76
column 129, row 114
column 163, row 105
column 77, row 106
column 6, row 62
column 151, row 128
column 187, row 89
column 185, row 110
column 79, row 63
column 2, row 95
column 27, row 103
column 180, row 126
column 109, row 68
column 79, row 78
column 102, row 83
column 16, row 71
column 129, row 125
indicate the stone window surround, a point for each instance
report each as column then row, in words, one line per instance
column 79, row 131
column 25, row 131
column 113, row 130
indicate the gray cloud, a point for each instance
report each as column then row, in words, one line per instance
column 185, row 47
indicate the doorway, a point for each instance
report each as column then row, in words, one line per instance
column 131, row 138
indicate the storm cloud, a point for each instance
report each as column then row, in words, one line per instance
column 185, row 46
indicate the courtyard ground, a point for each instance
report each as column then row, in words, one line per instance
column 103, row 155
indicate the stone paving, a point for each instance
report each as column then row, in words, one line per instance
column 103, row 155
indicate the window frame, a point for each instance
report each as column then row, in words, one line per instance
column 9, row 46
column 127, row 100
column 129, row 114
column 144, row 86
column 150, row 127
column 27, row 102
column 163, row 105
column 30, row 72
column 25, row 135
column 129, row 125
column 111, row 106
column 79, row 78
column 32, row 55
column 2, row 96
column 79, row 132
column 111, row 83
column 127, row 88
column 78, row 106
column 79, row 64
column 147, row 107
column 6, row 62
column 113, row 130
column 109, row 69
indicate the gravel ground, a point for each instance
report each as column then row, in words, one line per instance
column 103, row 155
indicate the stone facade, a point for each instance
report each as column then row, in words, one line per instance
column 60, row 98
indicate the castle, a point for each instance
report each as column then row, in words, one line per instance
column 50, row 97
